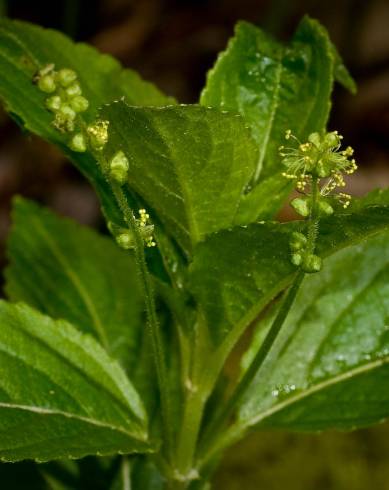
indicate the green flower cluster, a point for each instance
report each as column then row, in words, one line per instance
column 125, row 238
column 66, row 99
column 318, row 167
column 320, row 156
column 300, row 256
column 67, row 103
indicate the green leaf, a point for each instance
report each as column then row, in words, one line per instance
column 341, row 73
column 275, row 87
column 189, row 163
column 236, row 273
column 24, row 48
column 61, row 395
column 330, row 366
column 69, row 271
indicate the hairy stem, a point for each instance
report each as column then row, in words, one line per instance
column 153, row 323
column 313, row 220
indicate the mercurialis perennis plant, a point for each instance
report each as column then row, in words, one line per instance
column 115, row 346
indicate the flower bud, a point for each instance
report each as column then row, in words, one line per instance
column 73, row 90
column 325, row 208
column 315, row 139
column 312, row 263
column 98, row 134
column 67, row 112
column 78, row 143
column 125, row 240
column 46, row 83
column 66, row 77
column 54, row 103
column 79, row 103
column 296, row 259
column 297, row 241
column 118, row 167
column 331, row 140
column 301, row 206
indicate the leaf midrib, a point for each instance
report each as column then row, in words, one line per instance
column 357, row 371
column 72, row 275
column 123, row 403
column 251, row 314
column 47, row 411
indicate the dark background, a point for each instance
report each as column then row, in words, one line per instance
column 173, row 44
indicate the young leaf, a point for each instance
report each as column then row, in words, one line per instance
column 68, row 271
column 189, row 163
column 25, row 48
column 330, row 366
column 275, row 88
column 232, row 288
column 61, row 395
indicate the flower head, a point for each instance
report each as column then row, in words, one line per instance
column 319, row 158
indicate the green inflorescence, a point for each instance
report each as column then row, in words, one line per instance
column 66, row 102
column 125, row 238
column 65, row 99
column 318, row 167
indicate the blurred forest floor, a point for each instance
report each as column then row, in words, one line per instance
column 173, row 43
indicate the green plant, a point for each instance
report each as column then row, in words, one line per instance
column 83, row 371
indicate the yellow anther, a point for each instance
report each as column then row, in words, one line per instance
column 98, row 134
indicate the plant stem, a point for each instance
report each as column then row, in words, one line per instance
column 224, row 413
column 153, row 323
column 197, row 389
column 193, row 411
column 222, row 416
column 313, row 221
column 148, row 290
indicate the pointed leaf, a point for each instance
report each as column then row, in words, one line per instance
column 25, row 48
column 69, row 271
column 275, row 88
column 330, row 366
column 61, row 395
column 189, row 163
column 233, row 287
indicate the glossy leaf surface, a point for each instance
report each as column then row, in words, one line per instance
column 69, row 271
column 61, row 395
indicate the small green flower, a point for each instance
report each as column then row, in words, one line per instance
column 301, row 205
column 312, row 263
column 318, row 167
column 78, row 143
column 298, row 241
column 319, row 157
column 54, row 103
column 47, row 84
column 79, row 103
column 66, row 77
column 118, row 167
column 98, row 134
column 125, row 238
column 73, row 90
